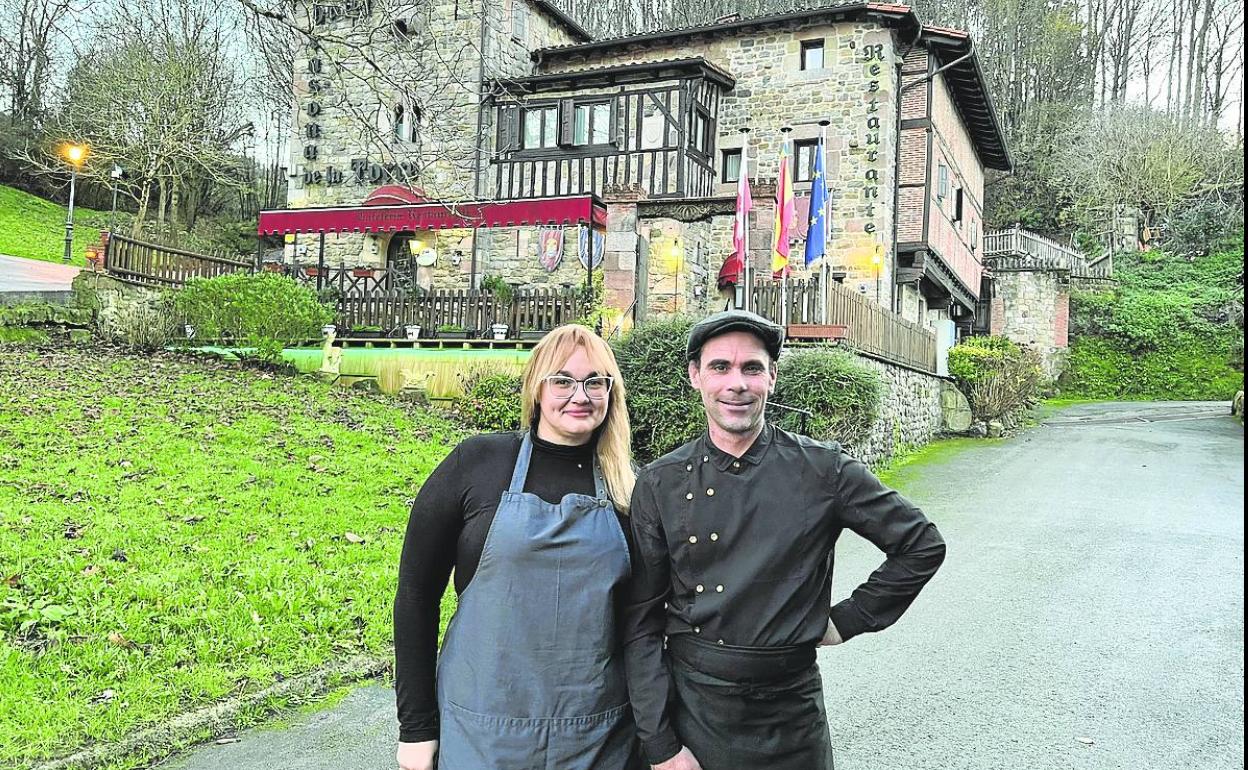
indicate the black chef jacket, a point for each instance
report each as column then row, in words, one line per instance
column 740, row 552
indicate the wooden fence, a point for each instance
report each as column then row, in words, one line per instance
column 871, row 328
column 157, row 264
column 475, row 312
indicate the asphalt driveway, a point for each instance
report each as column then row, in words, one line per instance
column 1090, row 616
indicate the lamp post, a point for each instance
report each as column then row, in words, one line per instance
column 116, row 174
column 74, row 154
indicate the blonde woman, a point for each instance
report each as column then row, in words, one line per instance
column 530, row 675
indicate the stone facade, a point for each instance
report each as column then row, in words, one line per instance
column 1033, row 308
column 369, row 61
column 854, row 91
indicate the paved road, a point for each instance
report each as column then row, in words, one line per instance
column 1090, row 616
column 29, row 275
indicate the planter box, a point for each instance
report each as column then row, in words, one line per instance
column 458, row 334
column 312, row 271
column 366, row 334
column 817, row 331
column 362, row 272
column 531, row 334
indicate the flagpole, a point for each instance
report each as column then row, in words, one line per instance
column 745, row 222
column 784, row 271
column 824, row 274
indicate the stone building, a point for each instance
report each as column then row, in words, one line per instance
column 654, row 125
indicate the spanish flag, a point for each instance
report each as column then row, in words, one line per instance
column 785, row 208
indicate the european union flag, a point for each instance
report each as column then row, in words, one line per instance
column 816, row 231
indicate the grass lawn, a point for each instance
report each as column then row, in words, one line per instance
column 34, row 228
column 174, row 531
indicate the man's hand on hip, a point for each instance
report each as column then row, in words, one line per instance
column 682, row 761
column 831, row 636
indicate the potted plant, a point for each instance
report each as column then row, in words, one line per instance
column 366, row 332
column 450, row 331
column 411, row 331
column 311, row 270
column 362, row 271
column 532, row 334
column 499, row 331
column 328, row 330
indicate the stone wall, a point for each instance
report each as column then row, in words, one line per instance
column 856, row 91
column 1033, row 309
column 910, row 412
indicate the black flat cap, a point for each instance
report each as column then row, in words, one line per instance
column 771, row 334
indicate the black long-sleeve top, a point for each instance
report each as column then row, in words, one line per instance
column 449, row 522
column 740, row 552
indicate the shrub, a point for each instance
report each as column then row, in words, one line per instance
column 491, row 401
column 665, row 411
column 997, row 376
column 263, row 312
column 1105, row 368
column 843, row 394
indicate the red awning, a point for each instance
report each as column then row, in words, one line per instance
column 730, row 273
column 570, row 210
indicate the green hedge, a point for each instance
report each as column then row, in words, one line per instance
column 491, row 402
column 997, row 376
column 1104, row 368
column 664, row 409
column 1172, row 329
column 843, row 394
column 262, row 312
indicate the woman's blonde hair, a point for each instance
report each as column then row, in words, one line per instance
column 614, row 436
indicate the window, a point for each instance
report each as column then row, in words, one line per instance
column 541, row 127
column 974, row 235
column 593, row 124
column 812, row 54
column 519, row 21
column 700, row 131
column 731, row 168
column 805, row 153
column 406, row 123
column 942, row 182
column 957, row 205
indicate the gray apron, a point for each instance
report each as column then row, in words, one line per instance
column 530, row 676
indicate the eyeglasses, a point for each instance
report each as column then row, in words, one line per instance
column 562, row 386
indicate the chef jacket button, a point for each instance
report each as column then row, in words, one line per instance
column 710, row 492
column 736, row 464
column 693, row 538
column 705, row 459
column 714, row 536
column 697, row 629
column 720, row 641
column 689, row 496
column 699, row 589
column 719, row 589
column 689, row 467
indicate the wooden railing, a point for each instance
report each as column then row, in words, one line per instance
column 475, row 312
column 154, row 263
column 871, row 328
column 1019, row 250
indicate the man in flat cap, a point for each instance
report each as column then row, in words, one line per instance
column 732, row 570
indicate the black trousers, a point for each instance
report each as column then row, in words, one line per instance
column 746, row 709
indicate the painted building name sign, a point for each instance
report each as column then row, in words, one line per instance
column 873, row 58
column 362, row 171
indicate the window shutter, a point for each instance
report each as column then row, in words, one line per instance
column 508, row 129
column 567, row 121
column 618, row 135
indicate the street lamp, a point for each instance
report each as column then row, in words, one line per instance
column 74, row 154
